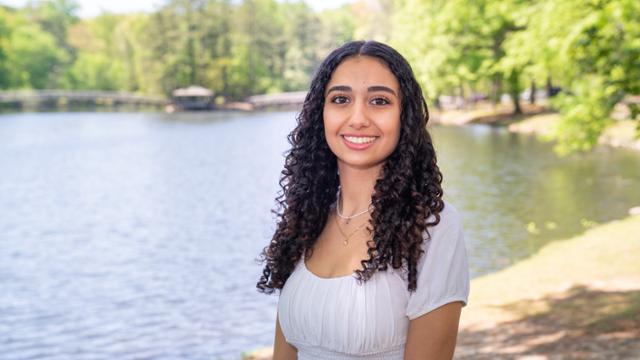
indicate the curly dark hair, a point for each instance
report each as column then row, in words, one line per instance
column 406, row 194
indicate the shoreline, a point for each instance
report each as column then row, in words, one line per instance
column 535, row 120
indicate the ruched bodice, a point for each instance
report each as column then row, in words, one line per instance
column 337, row 318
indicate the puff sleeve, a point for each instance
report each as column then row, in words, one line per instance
column 443, row 270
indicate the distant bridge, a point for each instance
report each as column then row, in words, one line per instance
column 22, row 98
column 37, row 98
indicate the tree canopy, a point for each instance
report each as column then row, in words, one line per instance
column 235, row 48
column 591, row 49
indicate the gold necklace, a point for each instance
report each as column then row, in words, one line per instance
column 348, row 218
column 345, row 236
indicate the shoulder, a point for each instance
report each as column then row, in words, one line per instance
column 450, row 221
column 444, row 239
column 442, row 270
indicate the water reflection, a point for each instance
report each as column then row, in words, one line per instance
column 517, row 195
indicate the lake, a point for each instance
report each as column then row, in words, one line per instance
column 133, row 235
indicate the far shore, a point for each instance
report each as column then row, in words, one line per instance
column 536, row 120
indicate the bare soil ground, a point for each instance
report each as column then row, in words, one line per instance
column 581, row 323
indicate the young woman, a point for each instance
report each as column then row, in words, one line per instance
column 369, row 260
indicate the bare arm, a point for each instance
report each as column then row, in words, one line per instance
column 433, row 336
column 282, row 350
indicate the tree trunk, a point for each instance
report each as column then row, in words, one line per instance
column 496, row 89
column 516, row 104
column 549, row 87
column 514, row 91
column 532, row 97
column 437, row 102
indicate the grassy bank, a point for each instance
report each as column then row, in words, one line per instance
column 575, row 298
column 619, row 134
column 535, row 120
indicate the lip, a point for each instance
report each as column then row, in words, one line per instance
column 355, row 146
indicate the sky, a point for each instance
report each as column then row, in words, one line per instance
column 89, row 8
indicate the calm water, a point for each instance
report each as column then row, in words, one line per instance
column 132, row 236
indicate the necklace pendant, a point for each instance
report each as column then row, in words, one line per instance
column 345, row 242
column 347, row 221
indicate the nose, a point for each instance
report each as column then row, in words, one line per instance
column 359, row 117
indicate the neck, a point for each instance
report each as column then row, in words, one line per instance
column 356, row 188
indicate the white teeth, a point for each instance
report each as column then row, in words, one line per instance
column 359, row 140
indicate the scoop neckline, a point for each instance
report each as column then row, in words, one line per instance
column 304, row 266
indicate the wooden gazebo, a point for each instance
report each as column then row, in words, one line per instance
column 193, row 98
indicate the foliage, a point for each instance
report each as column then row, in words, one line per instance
column 32, row 56
column 589, row 48
column 235, row 48
column 458, row 46
column 5, row 31
column 585, row 114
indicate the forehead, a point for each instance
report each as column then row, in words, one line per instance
column 363, row 71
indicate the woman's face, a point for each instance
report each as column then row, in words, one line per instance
column 362, row 112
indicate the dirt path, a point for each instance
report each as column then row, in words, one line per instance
column 584, row 322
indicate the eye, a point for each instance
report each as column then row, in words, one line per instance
column 380, row 101
column 339, row 99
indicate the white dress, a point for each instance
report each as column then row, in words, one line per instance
column 335, row 318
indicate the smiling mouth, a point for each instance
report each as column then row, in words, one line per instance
column 360, row 139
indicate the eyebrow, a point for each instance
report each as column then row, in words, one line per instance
column 369, row 89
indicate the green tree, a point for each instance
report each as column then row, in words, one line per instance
column 457, row 46
column 337, row 26
column 592, row 48
column 34, row 60
column 106, row 57
column 298, row 50
column 5, row 32
column 55, row 17
column 170, row 37
column 215, row 40
column 259, row 46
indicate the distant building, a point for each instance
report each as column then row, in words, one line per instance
column 193, row 98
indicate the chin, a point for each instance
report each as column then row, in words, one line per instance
column 360, row 164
